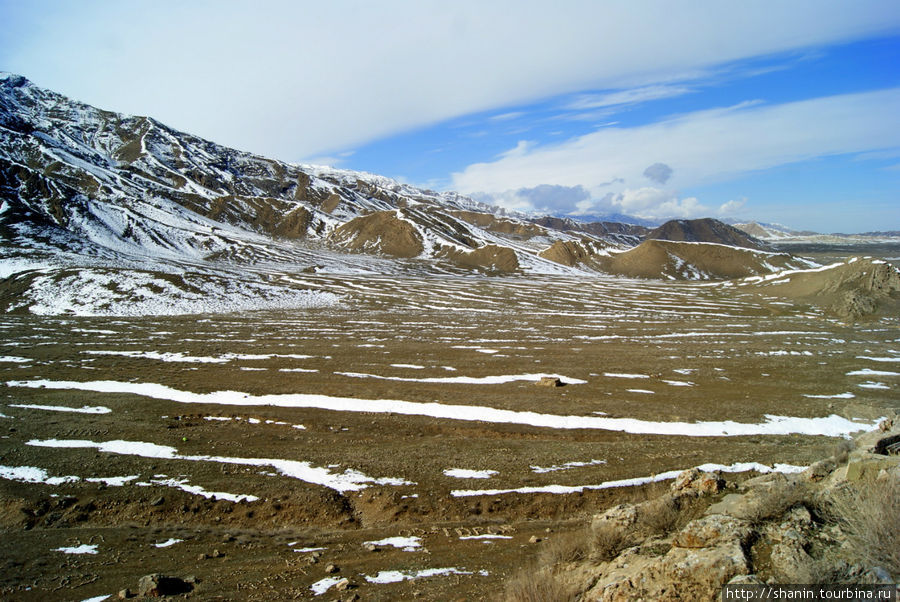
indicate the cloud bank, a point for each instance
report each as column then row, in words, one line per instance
column 694, row 149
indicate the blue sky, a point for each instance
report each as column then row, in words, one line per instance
column 776, row 111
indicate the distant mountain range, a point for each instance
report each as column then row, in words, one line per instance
column 99, row 210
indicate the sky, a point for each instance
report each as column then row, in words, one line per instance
column 777, row 111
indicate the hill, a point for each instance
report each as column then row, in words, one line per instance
column 695, row 261
column 849, row 289
column 706, row 230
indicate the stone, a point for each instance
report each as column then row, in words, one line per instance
column 371, row 547
column 156, row 585
column 549, row 381
column 332, row 568
column 124, row 594
column 342, row 585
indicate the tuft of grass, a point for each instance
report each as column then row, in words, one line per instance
column 869, row 516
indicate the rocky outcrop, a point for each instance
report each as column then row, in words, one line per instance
column 851, row 290
column 810, row 527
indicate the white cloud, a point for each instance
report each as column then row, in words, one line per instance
column 731, row 207
column 624, row 97
column 700, row 147
column 296, row 79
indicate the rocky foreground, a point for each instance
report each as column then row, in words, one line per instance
column 838, row 521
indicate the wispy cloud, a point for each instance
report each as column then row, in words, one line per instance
column 583, row 102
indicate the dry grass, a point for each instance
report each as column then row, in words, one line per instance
column 869, row 515
column 538, row 586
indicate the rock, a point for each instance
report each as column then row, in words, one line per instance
column 159, row 501
column 747, row 580
column 701, row 482
column 332, row 568
column 156, row 585
column 731, row 505
column 623, row 516
column 685, row 478
column 124, row 594
column 371, row 547
column 819, row 470
column 792, row 564
column 342, row 585
column 549, row 381
column 710, row 531
column 534, row 539
column 888, row 445
column 864, row 465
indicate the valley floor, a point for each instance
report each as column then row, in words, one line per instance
column 399, row 435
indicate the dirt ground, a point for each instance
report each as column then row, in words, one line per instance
column 702, row 354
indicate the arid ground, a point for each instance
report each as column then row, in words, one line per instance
column 251, row 451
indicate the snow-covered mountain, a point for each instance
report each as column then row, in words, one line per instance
column 108, row 213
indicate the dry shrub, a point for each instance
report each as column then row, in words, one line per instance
column 659, row 516
column 869, row 516
column 564, row 548
column 842, row 451
column 538, row 586
column 781, row 497
column 607, row 540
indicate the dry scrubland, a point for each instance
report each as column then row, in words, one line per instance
column 258, row 494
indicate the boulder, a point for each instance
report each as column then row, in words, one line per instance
column 156, row 585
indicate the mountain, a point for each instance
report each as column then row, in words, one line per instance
column 108, row 213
